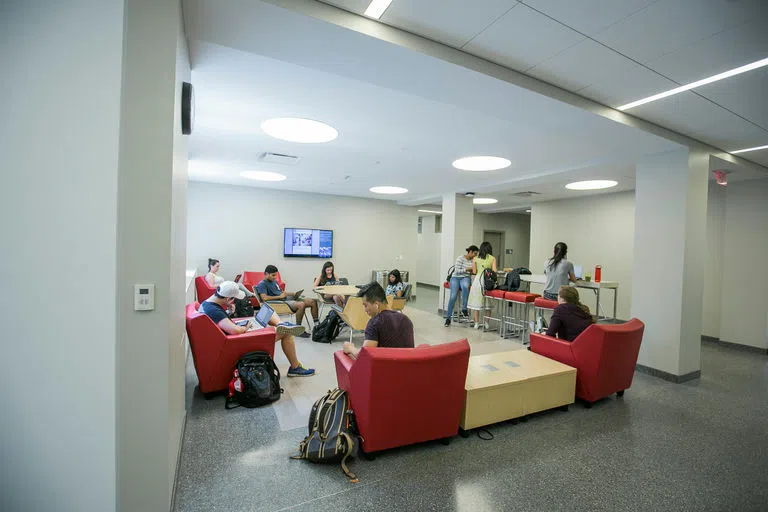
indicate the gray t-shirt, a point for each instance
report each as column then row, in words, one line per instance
column 557, row 276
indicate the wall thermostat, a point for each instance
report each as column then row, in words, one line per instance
column 143, row 297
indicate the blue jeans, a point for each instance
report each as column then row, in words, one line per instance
column 456, row 283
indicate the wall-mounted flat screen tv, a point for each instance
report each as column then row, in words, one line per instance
column 307, row 243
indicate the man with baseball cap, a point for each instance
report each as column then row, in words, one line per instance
column 215, row 307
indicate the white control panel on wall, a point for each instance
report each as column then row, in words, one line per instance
column 143, row 297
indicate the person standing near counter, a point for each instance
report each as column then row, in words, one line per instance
column 461, row 280
column 558, row 270
column 484, row 260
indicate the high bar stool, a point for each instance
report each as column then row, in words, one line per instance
column 498, row 297
column 540, row 304
column 519, row 307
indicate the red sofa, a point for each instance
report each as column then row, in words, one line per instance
column 204, row 290
column 403, row 396
column 604, row 356
column 215, row 353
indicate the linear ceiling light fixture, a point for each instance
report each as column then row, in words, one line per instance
column 481, row 163
column 698, row 83
column 262, row 176
column 484, row 200
column 756, row 148
column 376, row 8
column 431, row 211
column 591, row 185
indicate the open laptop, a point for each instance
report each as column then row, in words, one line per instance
column 260, row 319
column 297, row 295
column 578, row 271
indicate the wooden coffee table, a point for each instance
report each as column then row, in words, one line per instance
column 506, row 385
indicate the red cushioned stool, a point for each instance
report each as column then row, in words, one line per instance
column 519, row 307
column 489, row 298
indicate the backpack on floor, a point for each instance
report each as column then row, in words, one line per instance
column 489, row 280
column 327, row 330
column 243, row 308
column 255, row 381
column 331, row 428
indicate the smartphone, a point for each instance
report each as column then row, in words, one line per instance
column 242, row 324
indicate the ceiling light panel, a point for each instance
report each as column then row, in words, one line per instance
column 295, row 129
column 484, row 200
column 591, row 185
column 431, row 211
column 698, row 83
column 388, row 190
column 376, row 8
column 262, row 176
column 756, row 148
column 481, row 163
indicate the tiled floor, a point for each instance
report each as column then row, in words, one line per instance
column 700, row 445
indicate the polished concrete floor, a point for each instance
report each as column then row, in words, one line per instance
column 697, row 446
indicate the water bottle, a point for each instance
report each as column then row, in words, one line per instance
column 598, row 272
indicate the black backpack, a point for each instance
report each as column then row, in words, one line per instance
column 512, row 281
column 327, row 330
column 256, row 381
column 450, row 273
column 489, row 279
column 243, row 308
column 331, row 431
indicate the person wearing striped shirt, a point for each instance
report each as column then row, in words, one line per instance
column 460, row 279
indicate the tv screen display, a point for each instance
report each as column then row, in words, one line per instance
column 308, row 243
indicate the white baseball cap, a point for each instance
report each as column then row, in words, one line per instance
column 230, row 289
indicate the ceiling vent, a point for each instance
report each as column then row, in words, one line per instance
column 527, row 193
column 278, row 158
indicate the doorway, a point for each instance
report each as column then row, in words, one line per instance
column 496, row 239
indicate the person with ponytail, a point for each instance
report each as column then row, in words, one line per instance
column 558, row 270
column 570, row 317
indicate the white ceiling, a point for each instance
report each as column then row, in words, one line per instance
column 615, row 52
column 403, row 117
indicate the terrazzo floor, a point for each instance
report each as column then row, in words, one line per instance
column 696, row 446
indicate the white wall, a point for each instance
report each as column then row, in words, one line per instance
column 243, row 227
column 59, row 162
column 517, row 235
column 428, row 253
column 744, row 305
column 713, row 260
column 598, row 229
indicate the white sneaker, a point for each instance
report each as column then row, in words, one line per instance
column 486, row 326
column 477, row 325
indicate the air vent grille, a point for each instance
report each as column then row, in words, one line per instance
column 278, row 158
column 527, row 193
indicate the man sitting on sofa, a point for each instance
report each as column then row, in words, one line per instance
column 386, row 328
column 268, row 289
column 215, row 307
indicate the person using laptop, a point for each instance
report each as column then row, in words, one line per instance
column 386, row 328
column 558, row 270
column 328, row 277
column 214, row 279
column 215, row 307
column 268, row 290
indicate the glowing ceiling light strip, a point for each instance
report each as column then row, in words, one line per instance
column 377, row 8
column 756, row 148
column 698, row 83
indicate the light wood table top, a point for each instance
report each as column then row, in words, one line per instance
column 338, row 289
column 502, row 368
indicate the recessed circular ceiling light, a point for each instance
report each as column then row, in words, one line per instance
column 481, row 163
column 591, row 185
column 262, row 176
column 388, row 190
column 484, row 200
column 296, row 129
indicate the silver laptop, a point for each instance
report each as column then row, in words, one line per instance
column 260, row 319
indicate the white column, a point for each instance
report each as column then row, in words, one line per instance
column 668, row 263
column 458, row 229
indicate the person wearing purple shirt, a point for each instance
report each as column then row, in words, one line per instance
column 570, row 317
column 386, row 328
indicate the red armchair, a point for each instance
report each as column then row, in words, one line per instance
column 403, row 396
column 604, row 356
column 251, row 279
column 204, row 290
column 215, row 353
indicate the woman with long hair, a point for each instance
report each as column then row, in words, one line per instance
column 460, row 280
column 484, row 260
column 214, row 279
column 327, row 277
column 558, row 270
column 570, row 317
column 395, row 284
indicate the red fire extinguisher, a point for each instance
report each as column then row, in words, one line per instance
column 598, row 273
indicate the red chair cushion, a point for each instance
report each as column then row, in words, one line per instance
column 520, row 296
column 541, row 302
column 496, row 294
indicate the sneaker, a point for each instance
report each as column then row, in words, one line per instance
column 289, row 328
column 477, row 325
column 447, row 322
column 305, row 334
column 300, row 371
